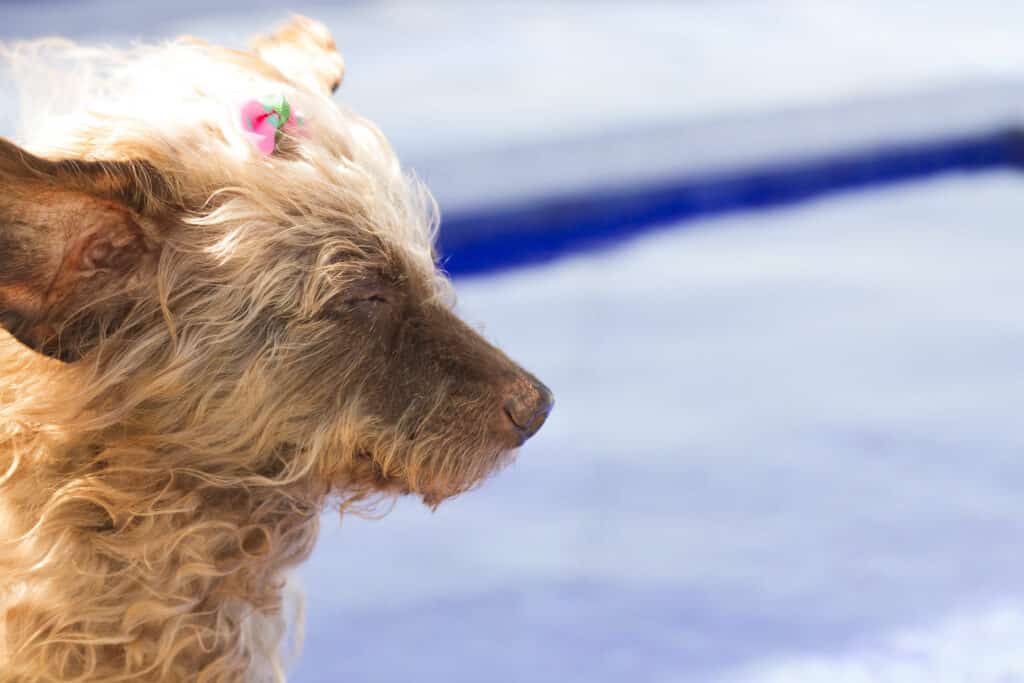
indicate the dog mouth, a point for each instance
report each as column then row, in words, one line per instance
column 368, row 473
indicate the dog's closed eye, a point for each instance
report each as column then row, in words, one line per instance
column 363, row 305
column 371, row 304
column 372, row 299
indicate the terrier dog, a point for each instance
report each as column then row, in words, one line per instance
column 224, row 312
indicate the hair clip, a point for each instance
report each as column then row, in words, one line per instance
column 265, row 119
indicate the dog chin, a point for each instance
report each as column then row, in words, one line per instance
column 434, row 495
column 364, row 472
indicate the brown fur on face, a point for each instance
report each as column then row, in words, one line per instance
column 207, row 346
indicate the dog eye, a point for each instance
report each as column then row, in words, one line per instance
column 372, row 299
column 344, row 309
column 370, row 304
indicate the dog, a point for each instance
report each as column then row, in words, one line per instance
column 223, row 312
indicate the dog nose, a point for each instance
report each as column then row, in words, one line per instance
column 528, row 407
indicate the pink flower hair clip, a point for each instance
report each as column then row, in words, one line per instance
column 265, row 119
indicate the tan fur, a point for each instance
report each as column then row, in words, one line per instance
column 266, row 334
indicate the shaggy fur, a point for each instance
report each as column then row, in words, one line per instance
column 207, row 346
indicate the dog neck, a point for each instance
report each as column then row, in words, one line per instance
column 172, row 571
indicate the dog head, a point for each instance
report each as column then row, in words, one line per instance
column 281, row 313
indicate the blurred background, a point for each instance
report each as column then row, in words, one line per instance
column 768, row 255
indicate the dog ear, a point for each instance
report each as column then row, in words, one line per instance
column 304, row 51
column 71, row 235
